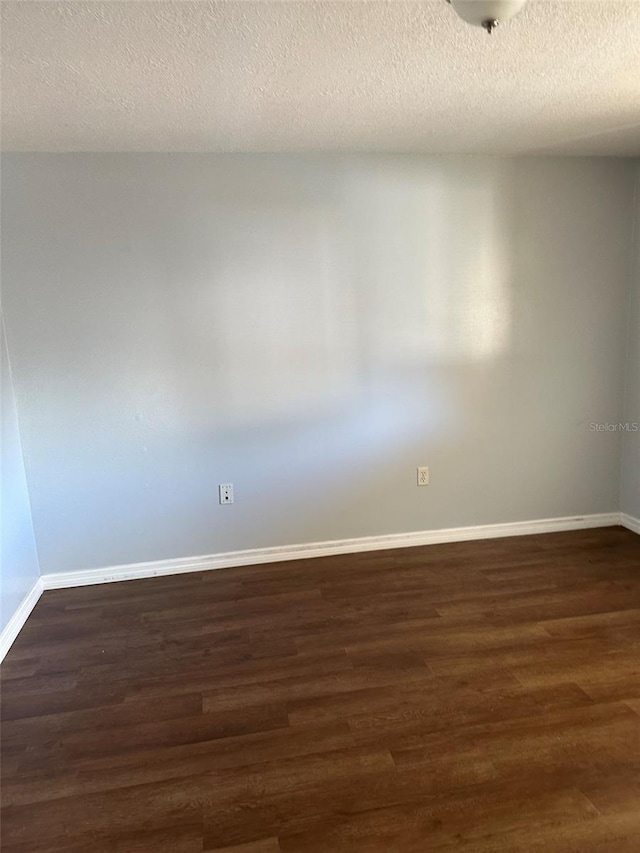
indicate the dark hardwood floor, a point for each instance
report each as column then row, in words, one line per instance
column 482, row 696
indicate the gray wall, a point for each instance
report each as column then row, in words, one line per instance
column 18, row 556
column 630, row 471
column 311, row 329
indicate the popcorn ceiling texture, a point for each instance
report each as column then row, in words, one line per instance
column 563, row 77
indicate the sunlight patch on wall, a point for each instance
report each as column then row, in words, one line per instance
column 434, row 263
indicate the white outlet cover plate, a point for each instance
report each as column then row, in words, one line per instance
column 226, row 493
column 423, row 476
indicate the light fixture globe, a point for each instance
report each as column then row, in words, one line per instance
column 487, row 13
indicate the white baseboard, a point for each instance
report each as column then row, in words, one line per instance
column 255, row 556
column 14, row 625
column 299, row 552
column 630, row 522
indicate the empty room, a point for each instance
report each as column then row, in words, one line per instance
column 320, row 426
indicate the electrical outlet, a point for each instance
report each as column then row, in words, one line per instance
column 423, row 476
column 226, row 493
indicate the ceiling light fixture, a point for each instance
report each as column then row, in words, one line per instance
column 487, row 13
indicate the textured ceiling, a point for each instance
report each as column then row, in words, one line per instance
column 562, row 77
